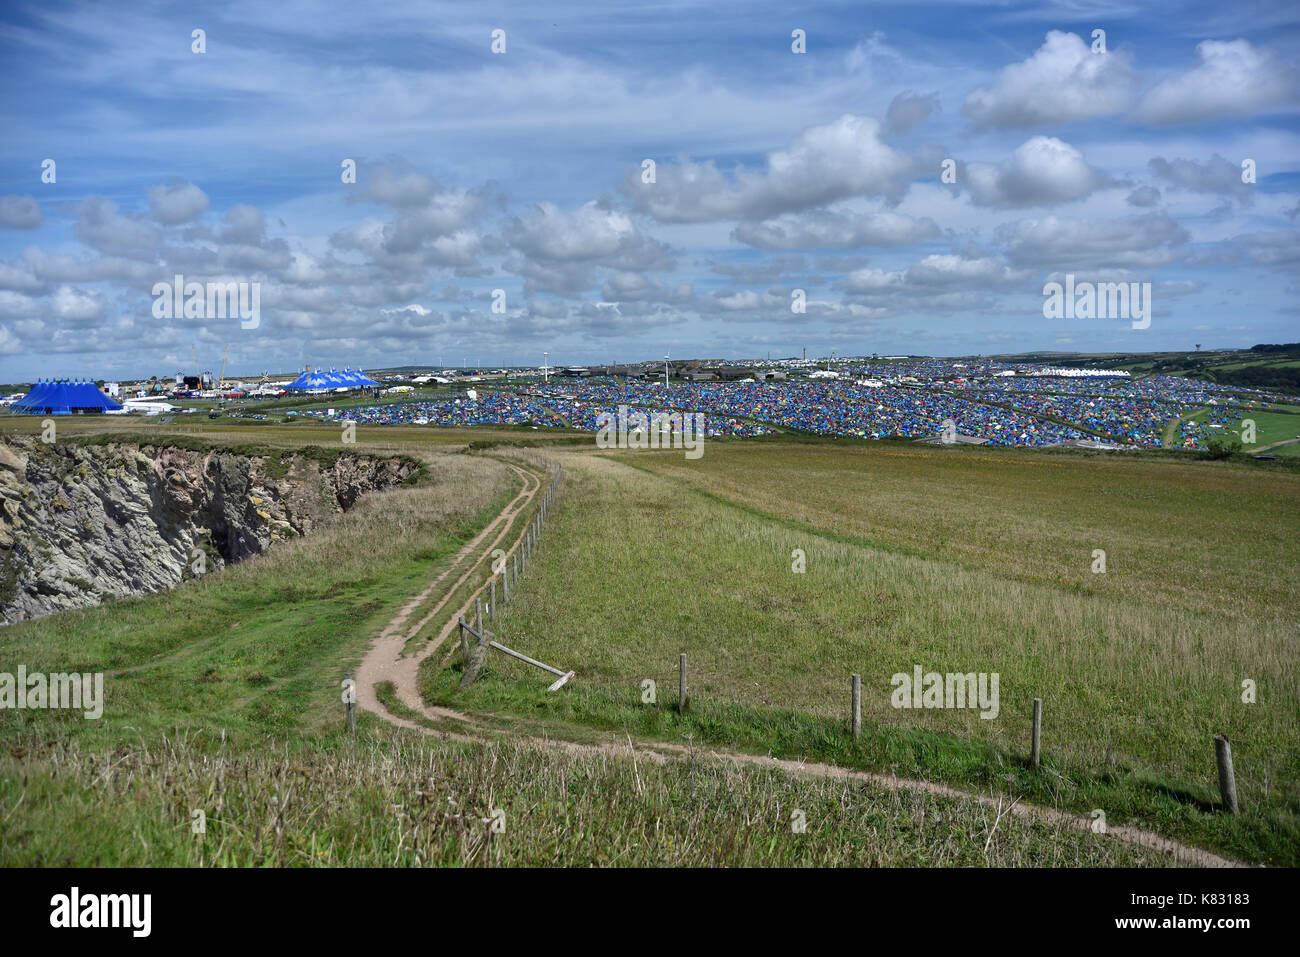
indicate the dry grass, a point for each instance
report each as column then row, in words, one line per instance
column 386, row 802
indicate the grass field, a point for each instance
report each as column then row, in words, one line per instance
column 223, row 696
column 979, row 561
column 389, row 800
column 971, row 560
column 1272, row 427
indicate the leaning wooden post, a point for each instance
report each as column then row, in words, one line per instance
column 464, row 642
column 492, row 600
column 681, row 684
column 855, row 704
column 1227, row 781
column 1035, row 748
column 350, row 699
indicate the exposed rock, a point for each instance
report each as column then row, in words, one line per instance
column 82, row 523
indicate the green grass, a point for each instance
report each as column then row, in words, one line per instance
column 1271, row 427
column 1137, row 675
column 387, row 800
column 261, row 647
column 974, row 561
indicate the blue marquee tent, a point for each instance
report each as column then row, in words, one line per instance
column 64, row 397
column 347, row 379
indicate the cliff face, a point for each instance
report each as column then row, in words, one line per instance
column 81, row 523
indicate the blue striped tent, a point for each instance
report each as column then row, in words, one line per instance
column 64, row 397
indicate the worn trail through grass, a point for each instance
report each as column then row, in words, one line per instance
column 385, row 664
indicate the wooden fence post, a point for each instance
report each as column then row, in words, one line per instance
column 505, row 583
column 352, row 705
column 855, row 704
column 478, row 614
column 492, row 600
column 681, row 684
column 1035, row 747
column 1227, row 780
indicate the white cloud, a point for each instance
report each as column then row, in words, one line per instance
column 178, row 202
column 845, row 230
column 594, row 232
column 20, row 212
column 909, row 109
column 1142, row 241
column 1215, row 175
column 78, row 305
column 823, row 164
column 1233, row 78
column 1042, row 171
column 1062, row 82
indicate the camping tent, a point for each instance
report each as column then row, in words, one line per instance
column 65, row 397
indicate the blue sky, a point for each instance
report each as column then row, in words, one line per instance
column 521, row 172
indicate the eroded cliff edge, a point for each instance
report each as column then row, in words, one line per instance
column 82, row 523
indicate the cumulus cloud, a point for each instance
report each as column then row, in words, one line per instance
column 1143, row 197
column 940, row 270
column 849, row 231
column 243, row 224
column 443, row 215
column 771, row 270
column 20, row 212
column 10, row 344
column 1215, row 175
column 633, row 286
column 1232, row 78
column 1042, row 171
column 1149, row 240
column 78, row 305
column 908, row 110
column 397, row 185
column 1062, row 82
column 100, row 226
column 594, row 232
column 823, row 164
column 176, row 203
column 16, row 305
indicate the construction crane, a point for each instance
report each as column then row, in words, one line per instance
column 221, row 385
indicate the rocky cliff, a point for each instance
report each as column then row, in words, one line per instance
column 82, row 523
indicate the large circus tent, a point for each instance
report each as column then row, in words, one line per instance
column 309, row 381
column 64, row 397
